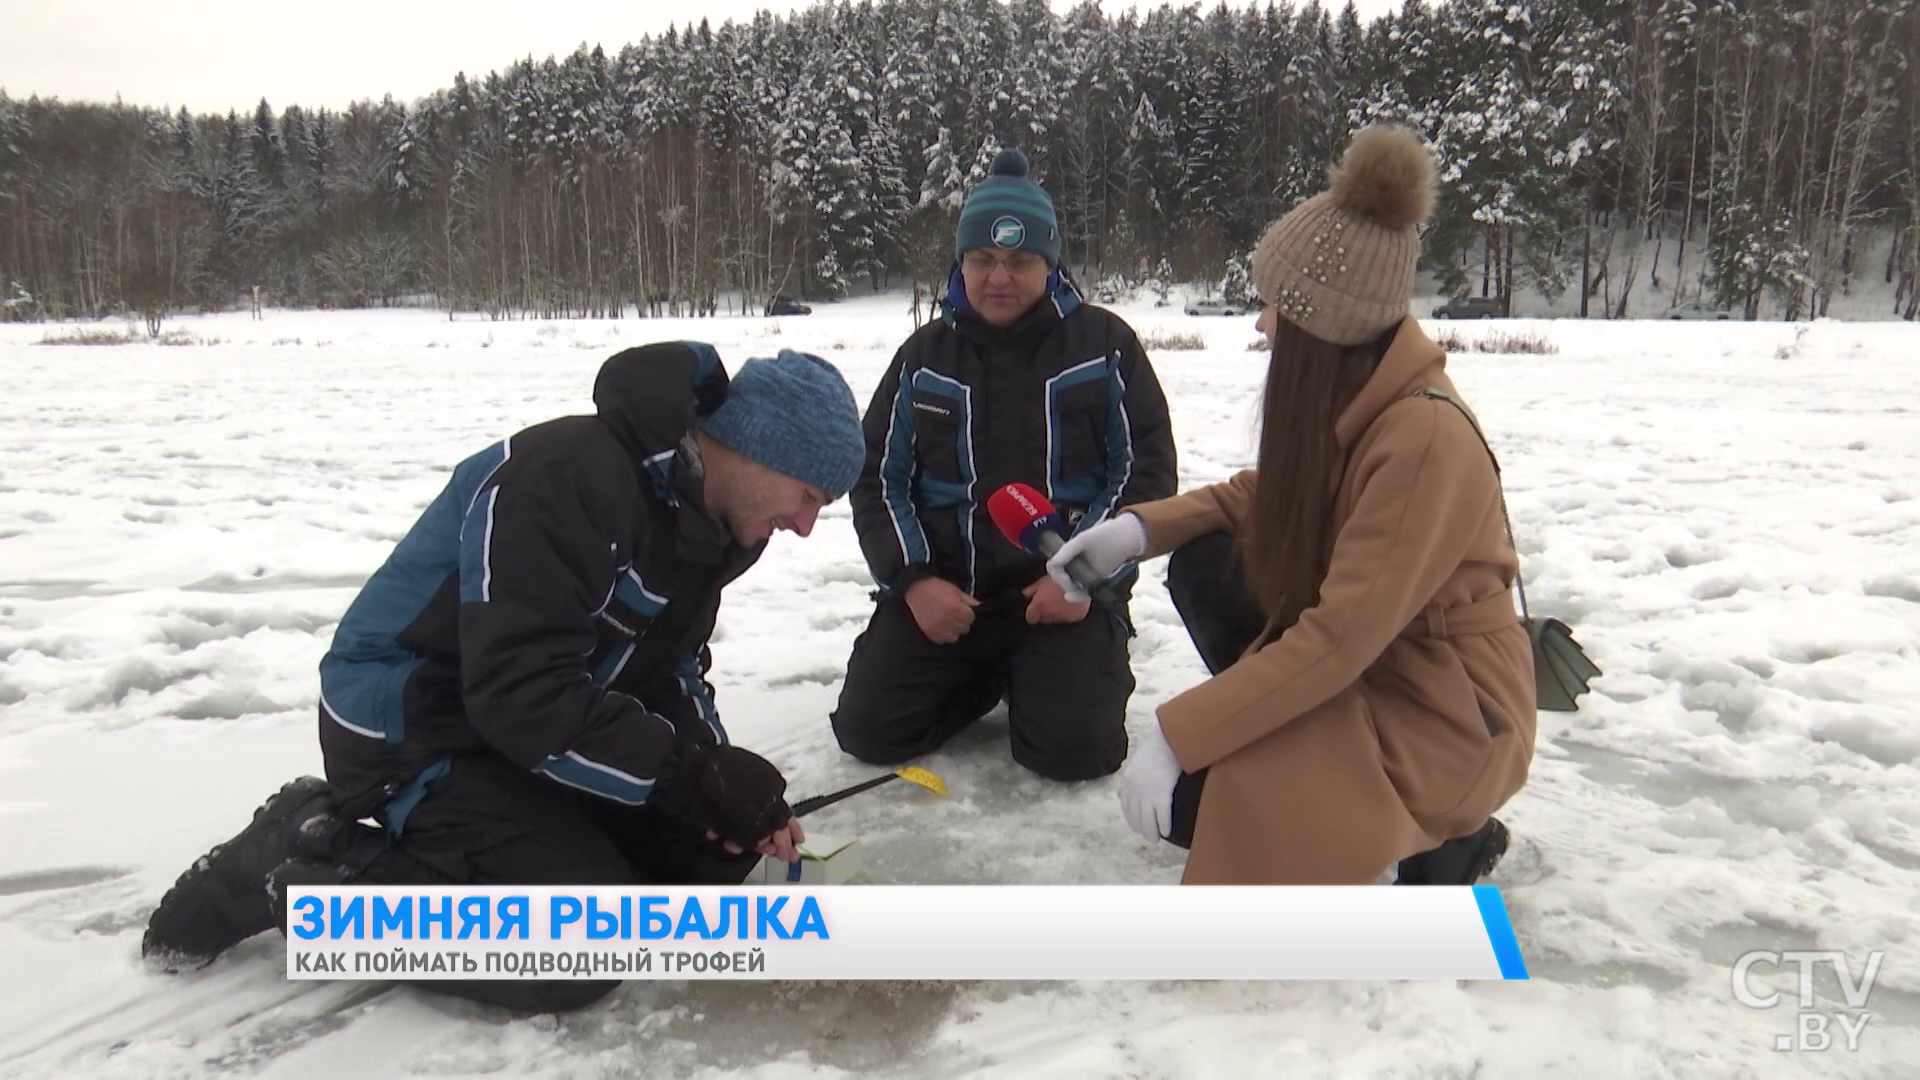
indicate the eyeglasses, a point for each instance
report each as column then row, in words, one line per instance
column 1017, row 263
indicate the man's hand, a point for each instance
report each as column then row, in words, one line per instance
column 734, row 794
column 1047, row 603
column 942, row 609
column 784, row 842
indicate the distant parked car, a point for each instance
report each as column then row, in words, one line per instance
column 787, row 305
column 1472, row 307
column 1699, row 311
column 1214, row 305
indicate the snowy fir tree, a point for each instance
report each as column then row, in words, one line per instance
column 1610, row 155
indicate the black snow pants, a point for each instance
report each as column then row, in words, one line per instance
column 489, row 822
column 1066, row 687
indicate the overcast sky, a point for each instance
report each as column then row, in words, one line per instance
column 212, row 55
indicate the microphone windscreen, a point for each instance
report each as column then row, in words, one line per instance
column 1022, row 515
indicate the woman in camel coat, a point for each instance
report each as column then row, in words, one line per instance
column 1372, row 701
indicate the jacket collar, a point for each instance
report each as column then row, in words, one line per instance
column 1411, row 361
column 1061, row 299
column 652, row 397
column 698, row 534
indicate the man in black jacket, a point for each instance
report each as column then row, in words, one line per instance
column 518, row 696
column 1019, row 380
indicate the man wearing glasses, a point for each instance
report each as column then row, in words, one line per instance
column 1018, row 380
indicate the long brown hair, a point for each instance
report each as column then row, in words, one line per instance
column 1285, row 541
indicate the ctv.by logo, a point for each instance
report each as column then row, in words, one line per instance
column 1811, row 1032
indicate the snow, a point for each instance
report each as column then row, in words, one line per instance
column 1727, row 514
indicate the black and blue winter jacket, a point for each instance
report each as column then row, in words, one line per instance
column 552, row 605
column 1065, row 400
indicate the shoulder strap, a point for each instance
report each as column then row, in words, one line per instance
column 1436, row 394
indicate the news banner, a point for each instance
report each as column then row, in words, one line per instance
column 1113, row 932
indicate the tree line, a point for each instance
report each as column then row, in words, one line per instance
column 1736, row 151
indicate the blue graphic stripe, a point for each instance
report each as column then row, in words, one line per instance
column 1119, row 464
column 1083, row 490
column 476, row 522
column 896, row 479
column 969, row 474
column 962, row 397
column 1074, row 376
column 365, row 693
column 707, row 360
column 612, row 664
column 476, row 550
column 486, row 463
column 938, row 494
column 1506, row 947
column 364, row 673
column 1066, row 295
column 632, row 592
column 401, row 805
column 334, row 714
column 660, row 471
column 595, row 778
column 1054, row 482
column 694, row 686
column 1088, row 371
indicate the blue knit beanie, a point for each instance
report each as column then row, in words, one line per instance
column 1008, row 212
column 795, row 415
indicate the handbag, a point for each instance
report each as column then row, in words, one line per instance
column 1561, row 669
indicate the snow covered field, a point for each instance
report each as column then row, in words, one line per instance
column 1729, row 515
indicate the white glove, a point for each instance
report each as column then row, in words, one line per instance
column 1107, row 547
column 1146, row 785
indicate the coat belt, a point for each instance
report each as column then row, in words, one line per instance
column 1482, row 616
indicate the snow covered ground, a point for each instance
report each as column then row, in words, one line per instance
column 1729, row 515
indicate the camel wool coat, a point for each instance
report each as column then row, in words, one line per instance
column 1399, row 711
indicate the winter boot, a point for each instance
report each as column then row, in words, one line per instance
column 1461, row 861
column 299, row 872
column 222, row 899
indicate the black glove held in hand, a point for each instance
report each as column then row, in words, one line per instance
column 736, row 793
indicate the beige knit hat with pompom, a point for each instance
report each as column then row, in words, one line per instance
column 1340, row 265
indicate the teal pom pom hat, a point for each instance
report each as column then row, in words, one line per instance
column 1008, row 212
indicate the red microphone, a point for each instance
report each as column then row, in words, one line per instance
column 1029, row 522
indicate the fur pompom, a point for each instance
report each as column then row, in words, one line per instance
column 1387, row 177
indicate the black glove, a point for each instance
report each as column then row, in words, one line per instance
column 736, row 793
